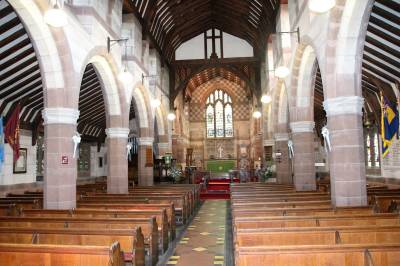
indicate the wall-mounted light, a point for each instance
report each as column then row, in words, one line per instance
column 257, row 114
column 171, row 116
column 155, row 103
column 266, row 99
column 56, row 16
column 124, row 76
column 321, row 6
column 282, row 72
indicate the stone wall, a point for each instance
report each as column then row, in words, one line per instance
column 7, row 177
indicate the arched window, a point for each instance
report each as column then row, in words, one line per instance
column 219, row 115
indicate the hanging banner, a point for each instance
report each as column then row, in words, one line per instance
column 11, row 131
column 149, row 157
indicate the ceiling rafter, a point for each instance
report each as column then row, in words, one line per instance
column 171, row 23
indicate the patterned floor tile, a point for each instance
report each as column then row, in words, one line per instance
column 203, row 242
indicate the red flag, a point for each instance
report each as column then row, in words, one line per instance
column 11, row 131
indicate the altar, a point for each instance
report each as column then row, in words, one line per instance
column 220, row 165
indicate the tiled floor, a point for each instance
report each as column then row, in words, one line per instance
column 203, row 243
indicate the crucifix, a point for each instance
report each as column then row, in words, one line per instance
column 220, row 150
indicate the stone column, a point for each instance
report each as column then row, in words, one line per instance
column 283, row 166
column 117, row 179
column 146, row 175
column 347, row 158
column 304, row 155
column 60, row 169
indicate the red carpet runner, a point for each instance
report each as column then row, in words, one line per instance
column 217, row 189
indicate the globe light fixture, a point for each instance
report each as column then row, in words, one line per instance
column 282, row 72
column 257, row 114
column 55, row 17
column 321, row 6
column 125, row 77
column 155, row 103
column 266, row 99
column 171, row 116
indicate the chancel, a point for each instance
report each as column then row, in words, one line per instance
column 199, row 132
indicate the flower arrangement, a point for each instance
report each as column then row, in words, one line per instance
column 175, row 173
column 266, row 171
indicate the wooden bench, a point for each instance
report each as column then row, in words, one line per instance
column 131, row 241
column 168, row 208
column 179, row 213
column 315, row 221
column 267, row 198
column 26, row 203
column 321, row 255
column 274, row 226
column 60, row 255
column 318, row 236
column 148, row 226
column 285, row 204
column 386, row 203
column 306, row 211
column 166, row 232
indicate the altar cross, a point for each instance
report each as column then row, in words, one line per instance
column 220, row 150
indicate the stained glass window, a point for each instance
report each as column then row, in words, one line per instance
column 369, row 151
column 376, row 150
column 219, row 115
column 210, row 121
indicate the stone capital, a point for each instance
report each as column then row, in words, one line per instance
column 302, row 126
column 60, row 115
column 281, row 136
column 269, row 142
column 344, row 105
column 117, row 132
column 145, row 141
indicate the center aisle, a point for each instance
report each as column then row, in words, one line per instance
column 203, row 243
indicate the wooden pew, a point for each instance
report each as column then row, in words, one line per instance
column 167, row 208
column 60, row 255
column 26, row 203
column 284, row 204
column 316, row 221
column 274, row 226
column 166, row 232
column 267, row 198
column 307, row 211
column 318, row 236
column 131, row 241
column 148, row 226
column 86, row 201
column 385, row 203
column 321, row 255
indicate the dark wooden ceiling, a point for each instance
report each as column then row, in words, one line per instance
column 380, row 64
column 319, row 112
column 92, row 117
column 173, row 22
column 20, row 78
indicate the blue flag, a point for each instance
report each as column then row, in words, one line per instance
column 389, row 125
column 1, row 143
